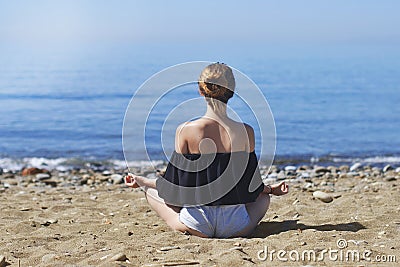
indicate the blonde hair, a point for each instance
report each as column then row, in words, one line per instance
column 216, row 81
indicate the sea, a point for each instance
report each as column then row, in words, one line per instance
column 64, row 106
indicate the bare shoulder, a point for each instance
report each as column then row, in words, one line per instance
column 249, row 129
column 189, row 127
column 187, row 130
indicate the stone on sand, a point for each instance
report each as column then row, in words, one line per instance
column 321, row 170
column 119, row 257
column 290, row 168
column 281, row 176
column 387, row 168
column 32, row 171
column 324, row 197
column 355, row 166
column 42, row 176
column 117, row 178
column 48, row 257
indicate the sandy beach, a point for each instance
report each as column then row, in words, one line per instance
column 87, row 218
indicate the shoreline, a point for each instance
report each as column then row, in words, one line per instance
column 89, row 173
column 63, row 164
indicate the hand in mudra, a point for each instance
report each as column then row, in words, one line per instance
column 130, row 180
column 277, row 189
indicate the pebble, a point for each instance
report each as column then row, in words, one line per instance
column 390, row 178
column 397, row 169
column 308, row 185
column 25, row 209
column 42, row 176
column 12, row 182
column 52, row 183
column 344, row 168
column 304, row 168
column 168, row 248
column 61, row 168
column 290, row 168
column 8, row 175
column 269, row 180
column 281, row 176
column 324, row 197
column 387, row 168
column 273, row 175
column 117, row 178
column 32, row 171
column 106, row 172
column 355, row 166
column 119, row 257
column 48, row 257
column 376, row 169
column 48, row 222
column 321, row 170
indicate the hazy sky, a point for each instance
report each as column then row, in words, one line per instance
column 149, row 21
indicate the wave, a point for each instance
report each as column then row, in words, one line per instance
column 370, row 160
column 66, row 164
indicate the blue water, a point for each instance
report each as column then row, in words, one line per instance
column 342, row 102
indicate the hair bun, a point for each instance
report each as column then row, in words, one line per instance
column 217, row 81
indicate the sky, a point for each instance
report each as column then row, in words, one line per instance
column 150, row 22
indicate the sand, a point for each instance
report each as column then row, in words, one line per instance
column 103, row 224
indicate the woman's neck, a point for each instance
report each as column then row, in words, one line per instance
column 216, row 110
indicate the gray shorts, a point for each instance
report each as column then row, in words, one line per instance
column 216, row 221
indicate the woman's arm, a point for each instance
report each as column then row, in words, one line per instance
column 136, row 181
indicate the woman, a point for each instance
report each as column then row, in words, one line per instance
column 215, row 148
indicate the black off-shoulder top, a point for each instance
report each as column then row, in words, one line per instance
column 211, row 179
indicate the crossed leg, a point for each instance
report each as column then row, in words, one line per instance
column 170, row 214
column 256, row 211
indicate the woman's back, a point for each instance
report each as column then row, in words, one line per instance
column 214, row 135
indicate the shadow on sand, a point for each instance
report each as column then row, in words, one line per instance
column 265, row 229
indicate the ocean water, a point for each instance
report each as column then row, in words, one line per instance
column 339, row 105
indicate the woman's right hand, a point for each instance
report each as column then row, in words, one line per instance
column 130, row 181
